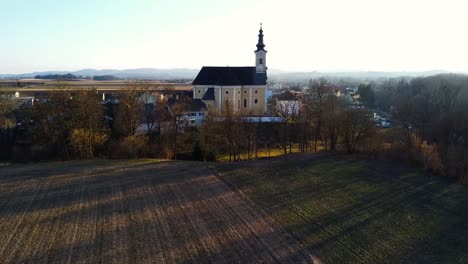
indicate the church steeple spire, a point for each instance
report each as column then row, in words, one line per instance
column 260, row 44
column 260, row 54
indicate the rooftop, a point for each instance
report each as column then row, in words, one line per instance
column 229, row 76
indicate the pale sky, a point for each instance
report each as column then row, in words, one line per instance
column 300, row 35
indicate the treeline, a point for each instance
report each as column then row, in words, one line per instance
column 433, row 115
column 66, row 126
column 430, row 125
column 69, row 77
column 318, row 120
column 62, row 77
column 77, row 125
column 105, row 78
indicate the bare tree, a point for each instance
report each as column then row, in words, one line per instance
column 232, row 126
column 88, row 130
column 288, row 111
column 331, row 121
column 177, row 109
column 356, row 127
column 130, row 108
column 7, row 119
column 305, row 124
column 57, row 120
column 7, row 125
column 161, row 113
column 317, row 94
column 149, row 99
column 210, row 131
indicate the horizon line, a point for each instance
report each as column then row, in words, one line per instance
column 271, row 70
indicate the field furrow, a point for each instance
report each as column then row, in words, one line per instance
column 133, row 212
column 349, row 210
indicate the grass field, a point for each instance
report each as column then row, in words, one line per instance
column 142, row 211
column 359, row 211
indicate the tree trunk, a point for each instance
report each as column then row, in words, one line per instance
column 175, row 141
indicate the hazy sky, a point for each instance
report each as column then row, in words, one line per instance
column 300, row 35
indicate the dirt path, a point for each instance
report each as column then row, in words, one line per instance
column 175, row 212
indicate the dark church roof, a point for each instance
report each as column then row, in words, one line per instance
column 189, row 104
column 196, row 105
column 209, row 95
column 226, row 76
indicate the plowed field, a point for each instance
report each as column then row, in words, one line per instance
column 357, row 210
column 133, row 212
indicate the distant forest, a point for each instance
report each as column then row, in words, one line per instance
column 105, row 78
column 67, row 76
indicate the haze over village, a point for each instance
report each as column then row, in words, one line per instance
column 233, row 131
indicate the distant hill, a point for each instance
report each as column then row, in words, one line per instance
column 144, row 73
column 190, row 74
column 276, row 75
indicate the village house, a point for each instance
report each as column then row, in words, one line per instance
column 288, row 103
column 193, row 113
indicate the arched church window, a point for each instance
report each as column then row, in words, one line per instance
column 256, row 101
column 261, row 61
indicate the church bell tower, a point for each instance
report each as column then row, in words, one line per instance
column 260, row 54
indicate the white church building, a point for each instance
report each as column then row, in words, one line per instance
column 240, row 88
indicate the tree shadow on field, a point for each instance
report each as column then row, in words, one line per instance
column 397, row 209
column 180, row 213
column 18, row 173
column 62, row 190
column 382, row 209
column 445, row 241
column 182, row 246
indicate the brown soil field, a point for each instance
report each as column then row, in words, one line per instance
column 134, row 212
column 357, row 209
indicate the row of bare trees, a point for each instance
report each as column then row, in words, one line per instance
column 7, row 125
column 318, row 120
column 67, row 125
column 145, row 124
column 433, row 115
column 160, row 115
column 70, row 124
